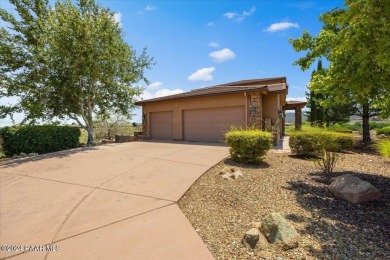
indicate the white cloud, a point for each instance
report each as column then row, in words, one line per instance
column 150, row 8
column 296, row 99
column 118, row 19
column 210, row 24
column 281, row 26
column 160, row 93
column 222, row 55
column 154, row 85
column 240, row 17
column 262, row 71
column 250, row 12
column 214, row 44
column 203, row 74
column 230, row 15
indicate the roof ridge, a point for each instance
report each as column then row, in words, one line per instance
column 227, row 88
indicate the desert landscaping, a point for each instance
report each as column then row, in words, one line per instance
column 223, row 210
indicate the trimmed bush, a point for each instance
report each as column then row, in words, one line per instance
column 39, row 139
column 248, row 146
column 312, row 141
column 383, row 131
column 384, row 148
column 305, row 143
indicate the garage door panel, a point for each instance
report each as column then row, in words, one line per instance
column 210, row 125
column 161, row 125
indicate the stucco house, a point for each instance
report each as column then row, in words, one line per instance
column 205, row 114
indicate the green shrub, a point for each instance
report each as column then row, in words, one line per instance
column 383, row 131
column 378, row 125
column 39, row 139
column 344, row 141
column 312, row 141
column 340, row 128
column 248, row 146
column 305, row 143
column 384, row 148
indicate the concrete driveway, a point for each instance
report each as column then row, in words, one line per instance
column 109, row 202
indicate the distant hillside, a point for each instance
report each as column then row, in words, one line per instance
column 290, row 117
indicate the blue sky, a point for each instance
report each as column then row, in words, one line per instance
column 203, row 43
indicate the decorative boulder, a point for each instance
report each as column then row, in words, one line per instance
column 277, row 230
column 230, row 173
column 353, row 189
column 252, row 236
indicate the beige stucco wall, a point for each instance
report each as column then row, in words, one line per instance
column 177, row 106
column 269, row 109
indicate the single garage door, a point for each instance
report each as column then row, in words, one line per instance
column 210, row 125
column 161, row 125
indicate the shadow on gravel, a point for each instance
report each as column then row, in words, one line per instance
column 344, row 230
column 232, row 163
column 60, row 154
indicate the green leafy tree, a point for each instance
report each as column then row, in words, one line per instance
column 355, row 41
column 331, row 113
column 69, row 61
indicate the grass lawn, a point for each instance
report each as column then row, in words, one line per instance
column 330, row 228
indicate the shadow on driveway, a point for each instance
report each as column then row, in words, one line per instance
column 60, row 154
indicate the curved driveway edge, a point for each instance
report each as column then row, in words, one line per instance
column 109, row 202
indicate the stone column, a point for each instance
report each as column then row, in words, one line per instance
column 144, row 123
column 255, row 110
column 298, row 118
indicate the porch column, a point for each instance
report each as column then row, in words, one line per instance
column 298, row 118
column 255, row 110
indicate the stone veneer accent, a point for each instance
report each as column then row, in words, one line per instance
column 255, row 110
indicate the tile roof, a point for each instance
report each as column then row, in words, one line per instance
column 269, row 85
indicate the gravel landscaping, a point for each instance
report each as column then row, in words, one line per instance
column 222, row 210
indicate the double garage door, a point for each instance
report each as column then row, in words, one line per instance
column 201, row 125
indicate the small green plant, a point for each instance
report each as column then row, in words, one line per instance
column 383, row 131
column 248, row 146
column 327, row 162
column 383, row 147
column 2, row 154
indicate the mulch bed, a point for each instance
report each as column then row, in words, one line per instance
column 330, row 228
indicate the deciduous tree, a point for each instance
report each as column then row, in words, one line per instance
column 354, row 39
column 69, row 61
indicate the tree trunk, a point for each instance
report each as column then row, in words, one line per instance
column 91, row 138
column 366, row 124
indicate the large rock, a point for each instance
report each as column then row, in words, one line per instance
column 278, row 231
column 353, row 189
